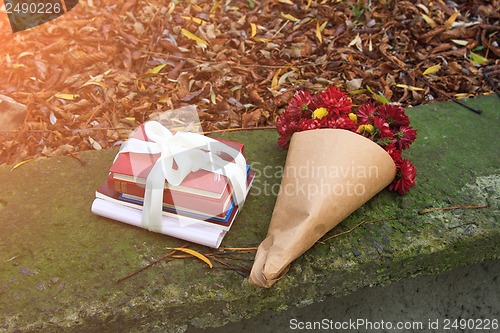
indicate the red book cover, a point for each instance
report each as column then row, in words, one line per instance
column 107, row 193
column 134, row 168
column 174, row 199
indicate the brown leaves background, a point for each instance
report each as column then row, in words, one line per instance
column 94, row 74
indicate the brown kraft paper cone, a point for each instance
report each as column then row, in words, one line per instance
column 329, row 173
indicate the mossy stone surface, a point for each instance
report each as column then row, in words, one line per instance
column 58, row 261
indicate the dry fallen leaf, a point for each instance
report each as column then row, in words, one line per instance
column 154, row 71
column 230, row 59
column 195, row 254
column 96, row 145
column 354, row 84
column 290, row 17
column 251, row 119
column 429, row 20
column 477, row 59
column 253, row 26
column 21, row 163
column 201, row 42
column 68, row 97
column 318, row 32
column 432, row 70
column 449, row 22
column 357, row 42
column 412, row 88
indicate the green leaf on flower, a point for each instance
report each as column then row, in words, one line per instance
column 384, row 142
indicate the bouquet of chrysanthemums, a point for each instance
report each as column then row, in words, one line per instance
column 338, row 159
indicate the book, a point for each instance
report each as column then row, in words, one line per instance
column 135, row 167
column 105, row 192
column 202, row 209
column 211, row 206
column 208, row 233
column 190, row 202
column 198, row 214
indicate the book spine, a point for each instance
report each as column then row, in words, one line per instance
column 176, row 199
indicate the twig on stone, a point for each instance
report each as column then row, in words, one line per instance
column 425, row 211
column 239, row 129
column 490, row 81
column 224, row 256
column 355, row 227
column 237, row 268
column 154, row 262
column 223, row 253
column 439, row 91
column 14, row 257
column 75, row 155
column 247, row 249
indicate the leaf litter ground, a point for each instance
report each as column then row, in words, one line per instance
column 91, row 76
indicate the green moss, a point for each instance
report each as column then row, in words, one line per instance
column 59, row 261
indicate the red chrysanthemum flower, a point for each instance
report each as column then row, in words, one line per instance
column 405, row 177
column 365, row 113
column 395, row 153
column 284, row 141
column 336, row 101
column 394, row 115
column 285, row 128
column 342, row 122
column 309, row 124
column 300, row 104
column 387, row 125
column 405, row 137
column 383, row 129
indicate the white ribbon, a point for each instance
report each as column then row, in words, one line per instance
column 190, row 152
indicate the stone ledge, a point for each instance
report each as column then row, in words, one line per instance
column 59, row 261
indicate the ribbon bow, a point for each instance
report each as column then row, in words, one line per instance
column 190, row 152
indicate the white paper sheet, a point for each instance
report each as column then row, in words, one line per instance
column 187, row 230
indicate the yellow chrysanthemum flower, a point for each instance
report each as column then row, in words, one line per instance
column 366, row 128
column 320, row 113
column 353, row 117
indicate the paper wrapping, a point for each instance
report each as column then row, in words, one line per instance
column 329, row 173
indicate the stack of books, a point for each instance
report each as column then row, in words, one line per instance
column 201, row 209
